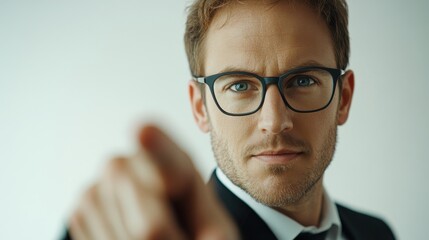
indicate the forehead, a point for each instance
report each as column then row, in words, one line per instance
column 266, row 38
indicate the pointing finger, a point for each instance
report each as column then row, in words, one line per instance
column 197, row 208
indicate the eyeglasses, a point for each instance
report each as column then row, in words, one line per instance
column 303, row 90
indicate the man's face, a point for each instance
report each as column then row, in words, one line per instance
column 275, row 154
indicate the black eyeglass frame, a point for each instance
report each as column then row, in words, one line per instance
column 265, row 81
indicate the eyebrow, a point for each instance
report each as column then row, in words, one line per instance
column 310, row 63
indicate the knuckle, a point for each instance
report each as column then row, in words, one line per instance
column 91, row 193
column 89, row 198
column 151, row 230
column 116, row 167
column 86, row 202
column 76, row 220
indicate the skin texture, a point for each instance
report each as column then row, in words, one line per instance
column 269, row 39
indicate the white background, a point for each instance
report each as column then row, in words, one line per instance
column 77, row 78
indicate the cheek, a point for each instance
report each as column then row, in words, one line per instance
column 235, row 131
column 314, row 127
column 221, row 123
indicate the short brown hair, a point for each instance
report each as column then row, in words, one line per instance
column 201, row 13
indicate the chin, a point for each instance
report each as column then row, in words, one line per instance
column 276, row 185
column 274, row 193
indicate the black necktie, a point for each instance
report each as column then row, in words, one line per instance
column 312, row 236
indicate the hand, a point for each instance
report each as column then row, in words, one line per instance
column 156, row 194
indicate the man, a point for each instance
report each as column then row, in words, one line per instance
column 270, row 87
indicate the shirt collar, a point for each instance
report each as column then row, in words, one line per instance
column 282, row 226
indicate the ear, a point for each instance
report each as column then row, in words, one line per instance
column 346, row 97
column 198, row 107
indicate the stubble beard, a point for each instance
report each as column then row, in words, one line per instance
column 279, row 195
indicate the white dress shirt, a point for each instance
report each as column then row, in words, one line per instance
column 283, row 227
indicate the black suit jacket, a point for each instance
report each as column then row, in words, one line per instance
column 355, row 226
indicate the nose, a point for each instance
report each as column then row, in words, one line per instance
column 274, row 117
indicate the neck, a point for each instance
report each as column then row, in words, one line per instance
column 308, row 210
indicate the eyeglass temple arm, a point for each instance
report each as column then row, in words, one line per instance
column 199, row 79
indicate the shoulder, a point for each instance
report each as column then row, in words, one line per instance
column 362, row 225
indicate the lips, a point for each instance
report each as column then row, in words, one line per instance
column 277, row 157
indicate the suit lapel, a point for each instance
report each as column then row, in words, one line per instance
column 250, row 225
column 348, row 224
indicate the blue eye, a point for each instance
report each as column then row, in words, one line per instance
column 301, row 81
column 239, row 87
